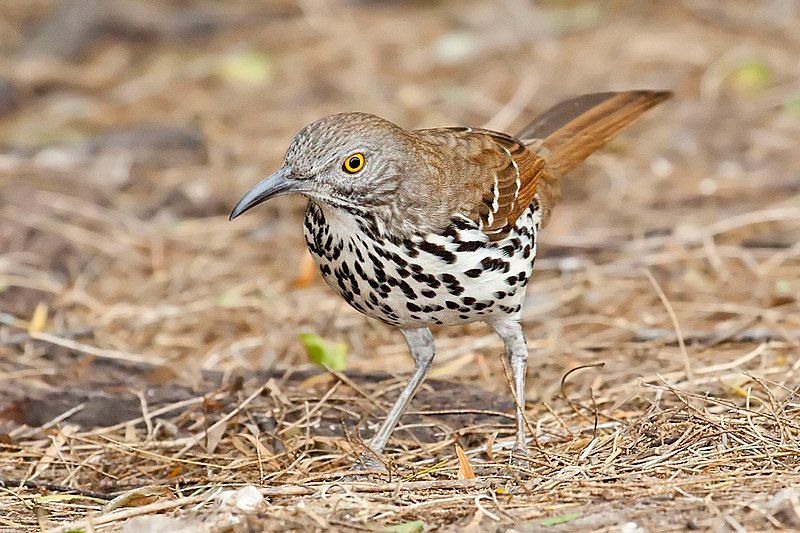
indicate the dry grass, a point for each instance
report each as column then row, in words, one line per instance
column 163, row 358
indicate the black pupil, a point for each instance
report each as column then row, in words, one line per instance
column 354, row 161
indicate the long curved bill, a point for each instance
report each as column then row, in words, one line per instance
column 279, row 183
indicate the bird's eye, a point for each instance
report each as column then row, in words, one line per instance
column 353, row 163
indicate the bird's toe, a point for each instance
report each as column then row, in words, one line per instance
column 520, row 457
column 366, row 468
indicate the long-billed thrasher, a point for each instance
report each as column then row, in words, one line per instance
column 439, row 226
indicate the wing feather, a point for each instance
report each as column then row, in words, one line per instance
column 498, row 177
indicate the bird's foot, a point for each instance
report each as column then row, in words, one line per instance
column 520, row 457
column 366, row 468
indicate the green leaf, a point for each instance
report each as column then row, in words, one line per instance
column 325, row 353
column 751, row 76
column 577, row 18
column 560, row 519
column 408, row 527
column 229, row 299
column 783, row 287
column 247, row 68
column 792, row 105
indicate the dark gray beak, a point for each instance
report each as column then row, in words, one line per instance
column 279, row 183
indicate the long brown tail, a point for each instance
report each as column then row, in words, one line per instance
column 575, row 128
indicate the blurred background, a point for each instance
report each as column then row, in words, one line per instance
column 129, row 128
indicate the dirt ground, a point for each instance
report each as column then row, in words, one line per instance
column 149, row 349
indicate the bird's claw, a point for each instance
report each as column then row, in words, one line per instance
column 366, row 468
column 520, row 458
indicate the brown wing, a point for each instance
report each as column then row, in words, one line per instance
column 514, row 176
column 498, row 176
column 492, row 177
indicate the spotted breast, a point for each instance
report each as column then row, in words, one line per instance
column 452, row 277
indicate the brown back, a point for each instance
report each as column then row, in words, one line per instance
column 493, row 178
column 556, row 142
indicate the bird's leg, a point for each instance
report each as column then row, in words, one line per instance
column 517, row 352
column 420, row 343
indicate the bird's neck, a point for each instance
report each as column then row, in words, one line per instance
column 383, row 222
column 347, row 221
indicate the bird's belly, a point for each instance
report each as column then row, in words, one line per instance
column 426, row 280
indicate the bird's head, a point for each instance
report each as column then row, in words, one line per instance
column 344, row 160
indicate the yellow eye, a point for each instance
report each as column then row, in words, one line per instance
column 353, row 163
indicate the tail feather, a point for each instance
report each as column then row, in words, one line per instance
column 575, row 128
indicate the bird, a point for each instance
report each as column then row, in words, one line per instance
column 436, row 227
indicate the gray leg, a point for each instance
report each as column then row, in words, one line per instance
column 517, row 352
column 420, row 343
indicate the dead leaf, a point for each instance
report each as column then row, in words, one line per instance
column 260, row 448
column 38, row 320
column 240, row 445
column 212, row 405
column 323, row 381
column 53, row 451
column 160, row 375
column 175, row 472
column 464, row 468
column 736, row 385
column 306, row 273
column 490, row 446
column 214, row 435
column 276, row 392
column 138, row 497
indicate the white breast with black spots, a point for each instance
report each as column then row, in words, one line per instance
column 454, row 277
